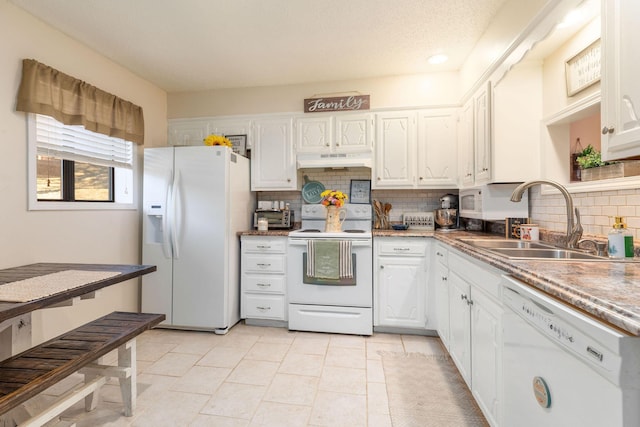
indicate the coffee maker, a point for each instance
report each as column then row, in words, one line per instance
column 447, row 216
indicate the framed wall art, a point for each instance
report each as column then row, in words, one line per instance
column 360, row 191
column 583, row 70
column 239, row 144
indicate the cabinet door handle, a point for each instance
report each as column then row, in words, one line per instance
column 444, row 278
column 381, row 267
column 440, row 254
column 263, row 265
column 469, row 302
column 263, row 308
column 264, row 285
column 606, row 130
column 264, row 247
column 463, row 297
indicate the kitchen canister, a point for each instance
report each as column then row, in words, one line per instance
column 263, row 224
column 529, row 232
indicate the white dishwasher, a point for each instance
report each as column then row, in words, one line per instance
column 562, row 368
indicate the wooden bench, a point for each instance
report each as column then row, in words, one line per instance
column 31, row 372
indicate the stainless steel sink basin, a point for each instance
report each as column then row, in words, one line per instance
column 504, row 243
column 519, row 249
column 549, row 253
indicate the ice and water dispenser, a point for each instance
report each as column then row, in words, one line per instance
column 155, row 212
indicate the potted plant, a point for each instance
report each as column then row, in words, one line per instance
column 590, row 158
column 593, row 168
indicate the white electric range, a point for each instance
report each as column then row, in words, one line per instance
column 337, row 306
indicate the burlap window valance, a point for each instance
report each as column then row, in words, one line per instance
column 45, row 90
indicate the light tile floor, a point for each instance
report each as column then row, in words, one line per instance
column 255, row 376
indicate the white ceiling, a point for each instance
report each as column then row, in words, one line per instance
column 193, row 45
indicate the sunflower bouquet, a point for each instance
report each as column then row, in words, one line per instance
column 212, row 140
column 333, row 198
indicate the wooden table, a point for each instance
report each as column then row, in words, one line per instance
column 17, row 315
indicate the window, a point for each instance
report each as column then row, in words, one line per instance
column 73, row 168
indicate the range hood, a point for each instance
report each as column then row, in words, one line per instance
column 334, row 160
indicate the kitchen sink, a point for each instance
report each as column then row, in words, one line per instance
column 548, row 253
column 504, row 243
column 522, row 249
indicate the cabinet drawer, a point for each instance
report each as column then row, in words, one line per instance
column 273, row 246
column 260, row 306
column 263, row 263
column 402, row 248
column 263, row 283
column 442, row 254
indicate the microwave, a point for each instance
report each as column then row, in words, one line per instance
column 277, row 218
column 492, row 202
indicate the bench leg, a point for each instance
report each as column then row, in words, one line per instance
column 91, row 401
column 128, row 384
column 125, row 371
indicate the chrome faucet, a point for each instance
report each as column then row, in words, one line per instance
column 574, row 229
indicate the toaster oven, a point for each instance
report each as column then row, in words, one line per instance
column 276, row 218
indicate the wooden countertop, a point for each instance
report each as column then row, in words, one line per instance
column 9, row 310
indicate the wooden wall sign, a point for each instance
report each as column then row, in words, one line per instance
column 338, row 103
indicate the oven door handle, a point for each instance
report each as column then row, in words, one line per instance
column 354, row 243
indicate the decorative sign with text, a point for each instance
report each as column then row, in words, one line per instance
column 338, row 103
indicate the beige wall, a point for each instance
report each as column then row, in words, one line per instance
column 65, row 236
column 555, row 91
column 436, row 89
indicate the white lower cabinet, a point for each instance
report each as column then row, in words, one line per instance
column 400, row 282
column 441, row 284
column 475, row 330
column 263, row 280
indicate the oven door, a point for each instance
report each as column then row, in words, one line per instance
column 356, row 293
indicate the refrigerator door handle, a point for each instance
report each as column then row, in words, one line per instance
column 176, row 208
column 166, row 221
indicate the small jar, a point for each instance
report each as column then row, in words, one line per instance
column 263, row 224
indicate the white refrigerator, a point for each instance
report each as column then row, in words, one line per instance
column 195, row 200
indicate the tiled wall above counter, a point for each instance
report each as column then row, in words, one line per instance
column 340, row 179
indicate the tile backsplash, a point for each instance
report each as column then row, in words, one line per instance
column 597, row 210
column 340, row 179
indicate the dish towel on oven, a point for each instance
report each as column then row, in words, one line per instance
column 329, row 259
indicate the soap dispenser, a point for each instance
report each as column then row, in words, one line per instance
column 620, row 240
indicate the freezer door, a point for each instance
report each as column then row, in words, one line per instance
column 200, row 275
column 156, row 250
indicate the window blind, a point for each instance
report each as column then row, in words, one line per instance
column 78, row 144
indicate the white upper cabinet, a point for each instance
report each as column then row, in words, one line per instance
column 272, row 160
column 340, row 133
column 315, row 134
column 231, row 126
column 416, row 149
column 620, row 110
column 482, row 135
column 188, row 131
column 465, row 146
column 437, row 153
column 354, row 132
column 394, row 165
column 516, row 102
